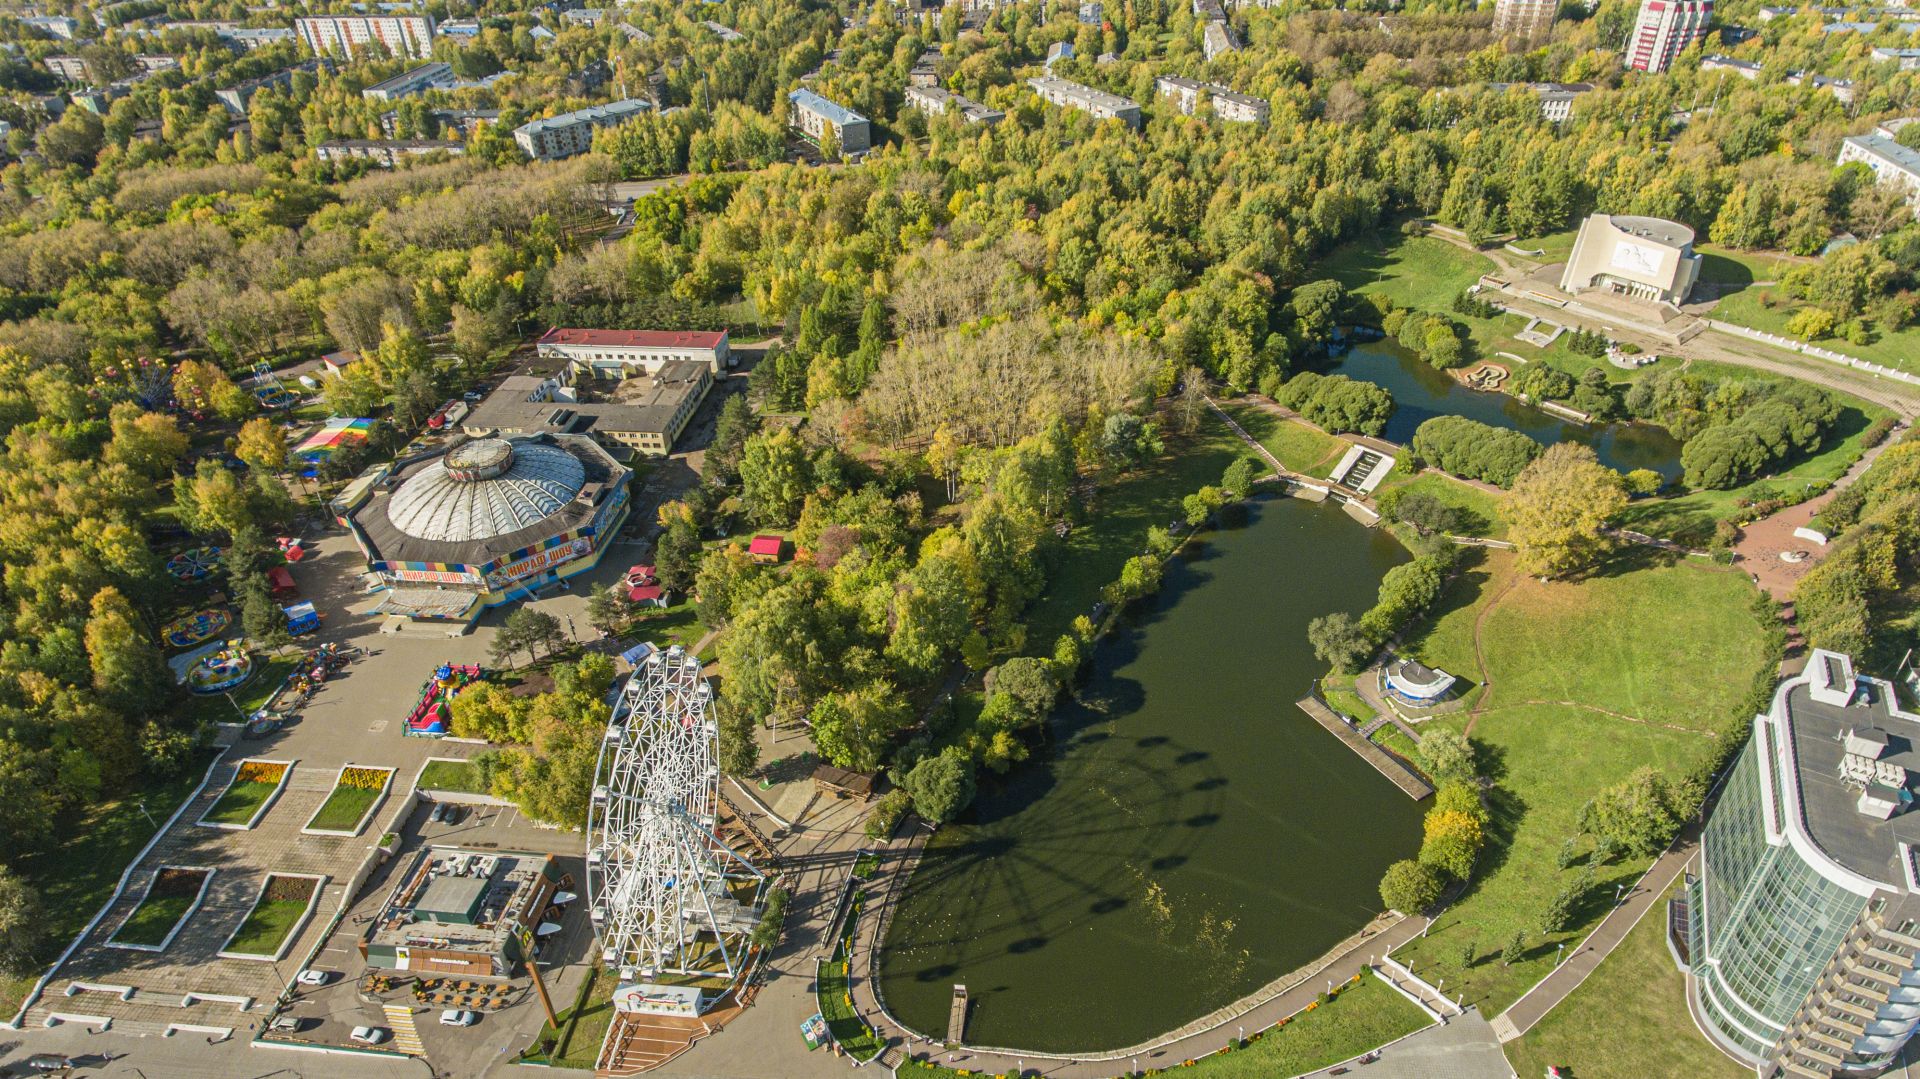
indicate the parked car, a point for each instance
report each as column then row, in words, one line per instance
column 439, row 813
column 456, row 813
column 314, row 977
column 368, row 1035
column 287, row 1024
column 473, row 395
column 453, row 1017
column 46, row 1062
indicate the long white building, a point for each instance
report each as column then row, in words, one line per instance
column 571, row 133
column 1186, row 95
column 621, row 354
column 350, row 35
column 1891, row 162
column 1098, row 103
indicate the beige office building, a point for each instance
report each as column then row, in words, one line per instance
column 1643, row 257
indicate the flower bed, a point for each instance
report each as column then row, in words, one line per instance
column 172, row 896
column 251, row 792
column 355, row 795
column 285, row 903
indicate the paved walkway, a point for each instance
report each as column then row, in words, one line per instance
column 1461, row 1048
column 1762, row 542
column 1551, row 990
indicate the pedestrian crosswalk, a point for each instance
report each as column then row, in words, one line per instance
column 406, row 1036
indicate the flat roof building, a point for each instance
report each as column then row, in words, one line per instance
column 571, row 133
column 1187, row 94
column 1098, row 103
column 1802, row 909
column 934, row 101
column 235, row 97
column 350, row 35
column 634, row 412
column 1216, row 40
column 617, row 354
column 1556, row 98
column 816, row 117
column 724, row 33
column 407, row 83
column 462, row 912
column 1905, row 59
column 1644, row 257
column 384, row 152
column 1891, row 162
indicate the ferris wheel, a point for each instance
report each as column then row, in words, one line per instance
column 668, row 896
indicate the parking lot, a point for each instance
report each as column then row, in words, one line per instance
column 327, row 1014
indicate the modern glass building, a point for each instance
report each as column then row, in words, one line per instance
column 1804, row 901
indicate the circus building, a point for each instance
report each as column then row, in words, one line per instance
column 487, row 521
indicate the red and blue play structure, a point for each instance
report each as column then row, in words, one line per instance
column 433, row 714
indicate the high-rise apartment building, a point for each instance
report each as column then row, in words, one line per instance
column 350, row 35
column 1531, row 19
column 1664, row 29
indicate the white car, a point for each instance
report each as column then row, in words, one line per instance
column 314, row 977
column 368, row 1035
column 453, row 1017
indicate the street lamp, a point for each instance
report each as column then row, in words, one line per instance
column 1558, row 951
column 1618, row 890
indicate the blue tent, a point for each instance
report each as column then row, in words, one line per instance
column 302, row 618
column 638, row 652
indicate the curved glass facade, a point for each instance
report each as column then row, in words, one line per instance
column 1767, row 923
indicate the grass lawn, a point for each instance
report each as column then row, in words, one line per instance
column 269, row 672
column 1581, row 684
column 679, row 625
column 1480, row 510
column 831, row 990
column 1116, row 527
column 1296, row 445
column 581, row 1048
column 452, row 776
column 241, row 802
column 1899, row 350
column 76, row 877
column 266, row 929
column 1628, row 1020
column 153, row 920
column 1555, row 246
column 1419, row 272
column 343, row 808
column 1690, row 515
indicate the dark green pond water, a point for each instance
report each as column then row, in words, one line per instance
column 1193, row 834
column 1421, row 392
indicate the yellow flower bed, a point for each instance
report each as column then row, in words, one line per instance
column 365, row 778
column 269, row 772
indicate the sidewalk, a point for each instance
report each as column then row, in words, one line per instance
column 1566, row 977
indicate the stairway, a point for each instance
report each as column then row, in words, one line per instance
column 406, row 1036
column 1357, row 475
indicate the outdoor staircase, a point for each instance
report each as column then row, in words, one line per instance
column 1362, row 468
column 406, row 1036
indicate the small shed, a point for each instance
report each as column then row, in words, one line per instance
column 336, row 363
column 766, row 549
column 650, row 595
column 280, row 583
column 842, row 783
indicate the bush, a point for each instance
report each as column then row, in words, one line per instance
column 1473, row 306
column 1337, row 403
column 886, row 813
column 1877, row 432
column 1473, row 449
column 1427, row 514
column 1410, row 887
column 1793, row 420
column 1642, row 482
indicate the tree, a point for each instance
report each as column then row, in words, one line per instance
column 473, row 333
column 1559, row 510
column 1339, row 640
column 1514, row 950
column 23, row 926
column 730, row 433
column 774, row 476
column 944, row 456
column 527, row 629
column 676, row 557
column 1447, row 755
column 608, row 609
column 739, row 749
column 1128, row 440
column 203, row 387
column 1559, row 910
column 1027, row 687
column 886, row 813
column 1237, row 480
column 852, row 730
column 127, row 668
column 1201, row 504
column 488, row 710
column 260, row 614
column 261, row 446
column 149, row 443
column 1642, row 482
column 1640, row 813
column 1452, row 842
column 1410, row 887
column 941, row 786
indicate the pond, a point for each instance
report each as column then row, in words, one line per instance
column 1192, row 834
column 1420, row 392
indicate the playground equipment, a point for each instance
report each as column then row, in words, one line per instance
column 302, row 619
column 1488, row 377
column 221, row 671
column 193, row 564
column 296, row 689
column 190, row 630
column 433, row 713
column 269, row 390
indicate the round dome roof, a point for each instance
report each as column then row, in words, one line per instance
column 485, row 488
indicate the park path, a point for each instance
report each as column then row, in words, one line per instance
column 1574, row 969
column 1259, row 1010
column 1762, row 542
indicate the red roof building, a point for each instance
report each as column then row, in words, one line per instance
column 612, row 354
column 647, row 593
column 765, row 549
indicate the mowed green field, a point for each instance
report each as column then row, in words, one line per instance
column 1419, row 272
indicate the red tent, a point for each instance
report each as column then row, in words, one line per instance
column 645, row 593
column 280, row 582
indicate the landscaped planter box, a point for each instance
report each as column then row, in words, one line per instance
column 283, row 908
column 174, row 893
column 357, row 792
column 255, row 786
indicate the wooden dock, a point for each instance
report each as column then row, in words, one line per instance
column 1403, row 777
column 957, row 1016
